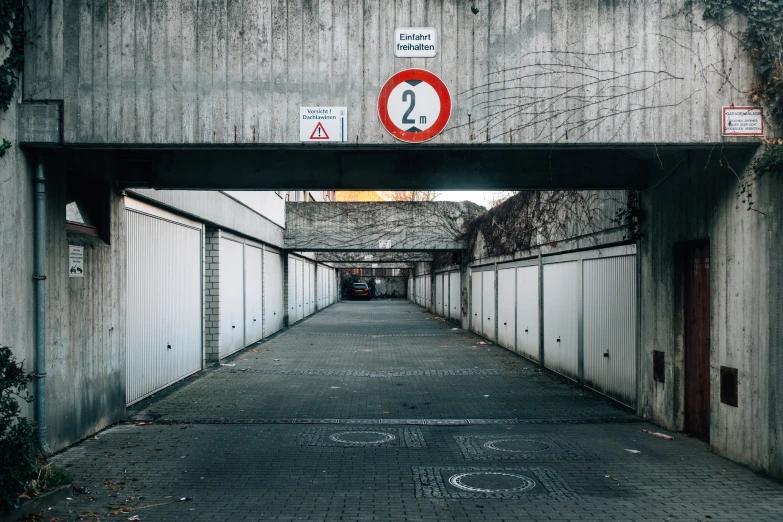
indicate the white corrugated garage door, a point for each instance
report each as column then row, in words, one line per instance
column 455, row 293
column 164, row 321
column 232, row 314
column 488, row 292
column 254, row 298
column 273, row 292
column 506, row 308
column 476, row 303
column 527, row 312
column 561, row 318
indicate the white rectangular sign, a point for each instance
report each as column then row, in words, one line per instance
column 743, row 121
column 415, row 42
column 323, row 124
column 75, row 261
column 384, row 244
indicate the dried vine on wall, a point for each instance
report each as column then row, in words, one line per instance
column 12, row 35
column 535, row 218
column 763, row 40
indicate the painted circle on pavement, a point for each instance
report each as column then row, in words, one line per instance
column 360, row 438
column 491, row 482
column 414, row 105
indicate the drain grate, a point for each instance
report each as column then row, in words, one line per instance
column 520, row 447
column 454, row 482
column 361, row 437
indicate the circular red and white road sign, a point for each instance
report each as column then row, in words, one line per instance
column 414, row 105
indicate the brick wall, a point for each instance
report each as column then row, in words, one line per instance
column 212, row 295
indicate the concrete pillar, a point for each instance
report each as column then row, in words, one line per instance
column 211, row 295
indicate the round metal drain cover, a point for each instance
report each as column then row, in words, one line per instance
column 517, row 445
column 491, row 482
column 362, row 437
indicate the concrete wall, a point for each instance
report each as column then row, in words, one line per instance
column 587, row 72
column 391, row 286
column 746, row 310
column 223, row 210
column 16, row 248
column 360, row 226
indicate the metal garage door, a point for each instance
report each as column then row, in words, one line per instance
column 561, row 318
column 488, row 293
column 455, row 293
column 232, row 285
column 527, row 312
column 310, row 288
column 164, row 321
column 254, row 298
column 609, row 315
column 273, row 292
column 300, row 290
column 506, row 308
column 476, row 322
column 439, row 294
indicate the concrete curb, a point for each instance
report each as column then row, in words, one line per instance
column 39, row 503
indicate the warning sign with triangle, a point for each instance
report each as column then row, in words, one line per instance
column 319, row 133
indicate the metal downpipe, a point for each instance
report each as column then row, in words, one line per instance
column 39, row 281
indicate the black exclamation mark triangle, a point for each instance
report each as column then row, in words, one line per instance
column 319, row 133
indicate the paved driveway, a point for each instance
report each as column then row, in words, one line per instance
column 381, row 411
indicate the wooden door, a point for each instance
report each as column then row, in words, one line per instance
column 697, row 340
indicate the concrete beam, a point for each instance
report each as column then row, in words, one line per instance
column 408, row 226
column 382, row 257
column 40, row 124
column 365, row 266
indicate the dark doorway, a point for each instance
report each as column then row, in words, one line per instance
column 697, row 339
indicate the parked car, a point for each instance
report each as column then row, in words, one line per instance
column 360, row 291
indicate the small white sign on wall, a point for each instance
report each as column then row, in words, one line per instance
column 323, row 124
column 415, row 42
column 743, row 121
column 384, row 244
column 75, row 261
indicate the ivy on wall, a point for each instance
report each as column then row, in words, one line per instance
column 763, row 40
column 12, row 35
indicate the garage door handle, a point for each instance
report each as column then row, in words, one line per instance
column 504, row 324
column 558, row 339
column 606, row 354
column 525, row 330
column 254, row 320
column 168, row 347
column 232, row 326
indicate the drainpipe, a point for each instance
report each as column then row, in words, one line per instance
column 39, row 279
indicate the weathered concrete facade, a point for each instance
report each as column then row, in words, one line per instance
column 408, row 225
column 573, row 72
column 699, row 201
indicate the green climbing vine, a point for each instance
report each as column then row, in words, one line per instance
column 763, row 39
column 12, row 36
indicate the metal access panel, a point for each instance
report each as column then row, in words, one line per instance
column 300, row 289
column 273, row 292
column 232, row 302
column 476, row 303
column 528, row 341
column 439, row 294
column 488, row 293
column 455, row 293
column 609, row 328
column 164, row 321
column 506, row 307
column 254, row 294
column 561, row 318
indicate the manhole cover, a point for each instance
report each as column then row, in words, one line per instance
column 491, row 482
column 517, row 445
column 362, row 437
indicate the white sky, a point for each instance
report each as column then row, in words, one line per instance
column 482, row 197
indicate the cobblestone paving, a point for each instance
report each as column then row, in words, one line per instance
column 256, row 445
